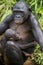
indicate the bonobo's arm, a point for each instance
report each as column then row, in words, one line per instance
column 38, row 34
column 5, row 23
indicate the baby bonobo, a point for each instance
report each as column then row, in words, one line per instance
column 21, row 29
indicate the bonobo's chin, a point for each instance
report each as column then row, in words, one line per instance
column 18, row 22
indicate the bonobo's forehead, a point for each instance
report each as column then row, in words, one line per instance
column 21, row 5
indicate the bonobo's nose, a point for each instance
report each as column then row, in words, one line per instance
column 18, row 16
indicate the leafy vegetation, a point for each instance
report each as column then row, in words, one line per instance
column 37, row 56
column 37, row 6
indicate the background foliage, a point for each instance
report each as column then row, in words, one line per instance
column 37, row 7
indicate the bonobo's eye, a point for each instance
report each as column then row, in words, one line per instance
column 18, row 13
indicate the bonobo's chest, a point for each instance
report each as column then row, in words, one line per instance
column 23, row 31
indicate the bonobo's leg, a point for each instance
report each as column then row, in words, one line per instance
column 12, row 54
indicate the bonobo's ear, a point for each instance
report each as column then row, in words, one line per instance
column 30, row 9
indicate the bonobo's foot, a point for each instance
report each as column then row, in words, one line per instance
column 28, row 62
column 13, row 55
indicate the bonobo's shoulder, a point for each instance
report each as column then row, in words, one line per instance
column 34, row 15
column 8, row 18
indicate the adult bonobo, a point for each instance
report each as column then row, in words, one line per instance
column 20, row 29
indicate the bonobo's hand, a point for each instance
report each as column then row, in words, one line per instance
column 11, row 34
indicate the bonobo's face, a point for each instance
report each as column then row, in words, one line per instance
column 18, row 17
column 20, row 11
